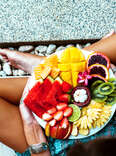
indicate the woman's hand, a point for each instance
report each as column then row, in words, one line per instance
column 33, row 131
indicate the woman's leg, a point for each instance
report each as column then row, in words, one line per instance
column 106, row 46
column 11, row 129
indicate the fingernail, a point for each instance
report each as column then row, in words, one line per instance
column 26, row 114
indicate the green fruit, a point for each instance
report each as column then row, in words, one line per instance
column 113, row 80
column 106, row 88
column 99, row 98
column 76, row 113
column 113, row 93
column 96, row 84
column 111, row 100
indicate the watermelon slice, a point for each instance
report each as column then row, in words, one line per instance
column 54, row 93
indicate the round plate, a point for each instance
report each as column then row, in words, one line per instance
column 93, row 131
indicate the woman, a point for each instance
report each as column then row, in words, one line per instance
column 12, row 132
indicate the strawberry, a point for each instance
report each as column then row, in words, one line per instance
column 61, row 106
column 64, row 123
column 52, row 110
column 68, row 111
column 64, row 98
column 46, row 117
column 66, row 87
column 52, row 122
column 58, row 115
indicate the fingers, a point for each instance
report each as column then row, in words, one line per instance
column 26, row 114
column 32, row 129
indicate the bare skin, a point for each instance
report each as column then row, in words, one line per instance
column 12, row 116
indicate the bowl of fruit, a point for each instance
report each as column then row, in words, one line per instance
column 72, row 93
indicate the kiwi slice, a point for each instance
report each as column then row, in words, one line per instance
column 111, row 100
column 106, row 88
column 113, row 80
column 96, row 84
column 99, row 98
column 113, row 93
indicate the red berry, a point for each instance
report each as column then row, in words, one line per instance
column 46, row 117
column 61, row 106
column 68, row 111
column 52, row 122
column 64, row 98
column 64, row 123
column 52, row 110
column 66, row 87
column 58, row 115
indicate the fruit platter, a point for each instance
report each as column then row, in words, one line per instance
column 72, row 93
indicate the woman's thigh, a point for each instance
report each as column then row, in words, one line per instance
column 11, row 89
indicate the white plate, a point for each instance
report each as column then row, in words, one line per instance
column 93, row 131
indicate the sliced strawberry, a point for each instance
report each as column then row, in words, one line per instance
column 64, row 98
column 64, row 123
column 47, row 117
column 61, row 106
column 52, row 110
column 52, row 122
column 69, row 131
column 68, row 111
column 66, row 87
column 58, row 115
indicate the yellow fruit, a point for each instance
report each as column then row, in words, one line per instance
column 64, row 67
column 54, row 72
column 45, row 72
column 65, row 56
column 74, row 78
column 51, row 61
column 76, row 55
column 78, row 67
column 71, row 61
column 66, row 76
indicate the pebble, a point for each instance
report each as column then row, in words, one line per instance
column 41, row 54
column 21, row 72
column 51, row 49
column 79, row 46
column 60, row 48
column 11, row 48
column 15, row 72
column 26, row 48
column 69, row 45
column 40, row 49
column 88, row 44
column 7, row 69
column 2, row 73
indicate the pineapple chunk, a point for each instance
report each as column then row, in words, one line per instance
column 66, row 76
column 64, row 67
column 74, row 78
column 78, row 67
column 65, row 56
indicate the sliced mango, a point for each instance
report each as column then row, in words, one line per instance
column 51, row 61
column 66, row 76
column 75, row 55
column 64, row 67
column 74, row 78
column 65, row 56
column 45, row 72
column 54, row 72
column 78, row 67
